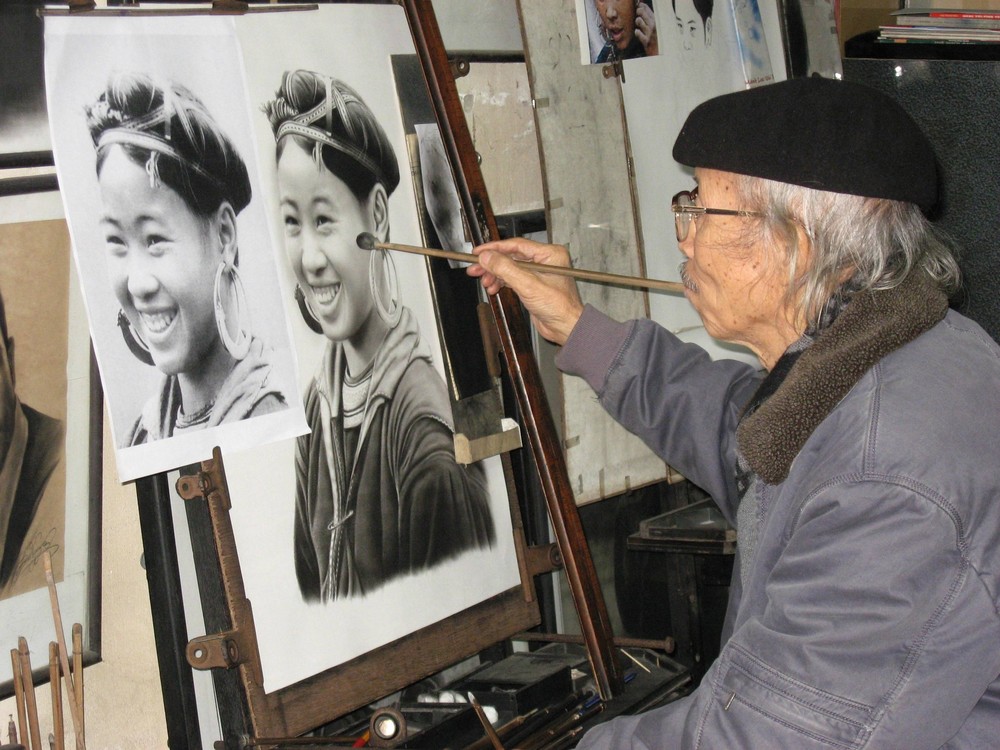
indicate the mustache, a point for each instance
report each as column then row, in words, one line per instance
column 686, row 277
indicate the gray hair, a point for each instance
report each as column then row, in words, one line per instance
column 869, row 243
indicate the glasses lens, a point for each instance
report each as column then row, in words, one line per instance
column 682, row 219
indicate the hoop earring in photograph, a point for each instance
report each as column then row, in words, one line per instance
column 133, row 340
column 238, row 347
column 307, row 314
column 393, row 311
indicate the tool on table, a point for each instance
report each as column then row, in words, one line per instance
column 367, row 241
column 57, row 710
column 487, row 725
column 33, row 734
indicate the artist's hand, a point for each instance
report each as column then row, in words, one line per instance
column 552, row 301
column 645, row 29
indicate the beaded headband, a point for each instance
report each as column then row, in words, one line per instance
column 133, row 133
column 335, row 100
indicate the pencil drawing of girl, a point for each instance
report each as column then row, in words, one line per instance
column 379, row 494
column 171, row 186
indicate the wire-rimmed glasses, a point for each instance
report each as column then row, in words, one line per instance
column 685, row 208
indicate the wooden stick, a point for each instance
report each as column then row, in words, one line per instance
column 22, row 716
column 63, row 658
column 576, row 273
column 78, row 675
column 57, row 709
column 31, row 707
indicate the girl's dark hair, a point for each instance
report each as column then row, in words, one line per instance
column 196, row 159
column 363, row 155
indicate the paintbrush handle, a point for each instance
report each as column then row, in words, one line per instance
column 576, row 273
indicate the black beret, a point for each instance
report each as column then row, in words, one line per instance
column 816, row 132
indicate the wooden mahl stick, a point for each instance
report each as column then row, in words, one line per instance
column 58, row 730
column 367, row 241
column 74, row 705
column 30, row 705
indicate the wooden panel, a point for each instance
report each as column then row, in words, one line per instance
column 496, row 100
column 591, row 209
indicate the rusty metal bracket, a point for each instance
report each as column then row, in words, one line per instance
column 614, row 70
column 543, row 558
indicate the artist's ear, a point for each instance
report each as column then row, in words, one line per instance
column 224, row 227
column 708, row 32
column 378, row 205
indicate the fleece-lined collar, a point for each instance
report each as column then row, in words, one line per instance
column 870, row 327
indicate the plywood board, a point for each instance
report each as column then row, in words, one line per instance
column 590, row 209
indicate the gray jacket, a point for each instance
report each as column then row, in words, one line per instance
column 869, row 616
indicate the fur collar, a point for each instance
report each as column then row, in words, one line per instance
column 871, row 326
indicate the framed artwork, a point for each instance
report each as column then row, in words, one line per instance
column 50, row 481
column 25, row 149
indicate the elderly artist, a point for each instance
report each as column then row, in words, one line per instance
column 859, row 466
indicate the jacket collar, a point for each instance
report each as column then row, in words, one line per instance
column 870, row 327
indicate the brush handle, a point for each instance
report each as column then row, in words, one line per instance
column 576, row 273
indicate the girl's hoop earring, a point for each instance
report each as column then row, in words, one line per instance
column 307, row 314
column 393, row 311
column 238, row 347
column 133, row 340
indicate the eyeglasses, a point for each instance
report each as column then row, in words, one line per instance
column 685, row 209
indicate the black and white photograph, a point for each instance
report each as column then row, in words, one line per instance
column 615, row 30
column 156, row 162
column 370, row 510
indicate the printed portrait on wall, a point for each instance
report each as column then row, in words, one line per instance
column 694, row 23
column 155, row 160
column 613, row 30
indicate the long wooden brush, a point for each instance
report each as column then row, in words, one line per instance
column 367, row 241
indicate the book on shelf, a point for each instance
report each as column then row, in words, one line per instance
column 931, row 33
column 984, row 6
column 947, row 19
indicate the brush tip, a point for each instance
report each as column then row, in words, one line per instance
column 366, row 241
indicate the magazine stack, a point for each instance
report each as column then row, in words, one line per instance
column 944, row 22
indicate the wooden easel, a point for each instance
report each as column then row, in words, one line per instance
column 230, row 647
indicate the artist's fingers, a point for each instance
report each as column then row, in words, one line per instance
column 490, row 282
column 525, row 249
column 503, row 271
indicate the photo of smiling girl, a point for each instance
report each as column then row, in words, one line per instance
column 171, row 186
column 379, row 493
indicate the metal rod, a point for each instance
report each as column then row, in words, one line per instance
column 576, row 273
